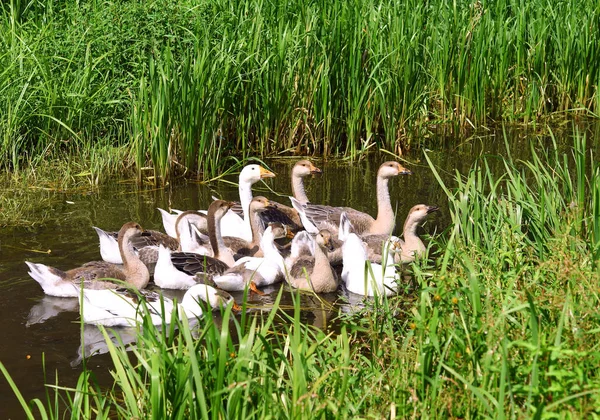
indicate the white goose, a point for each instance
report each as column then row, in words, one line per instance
column 359, row 277
column 114, row 308
column 262, row 271
column 232, row 224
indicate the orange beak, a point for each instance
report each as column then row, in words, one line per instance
column 265, row 173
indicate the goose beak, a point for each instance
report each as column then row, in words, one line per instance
column 315, row 170
column 265, row 173
column 269, row 205
column 289, row 234
column 431, row 209
column 229, row 204
column 235, row 307
column 403, row 171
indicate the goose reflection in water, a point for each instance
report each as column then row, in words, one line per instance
column 49, row 307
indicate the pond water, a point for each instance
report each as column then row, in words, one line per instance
column 38, row 329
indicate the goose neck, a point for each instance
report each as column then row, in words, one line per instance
column 245, row 191
column 385, row 213
column 254, row 228
column 214, row 235
column 136, row 272
column 410, row 228
column 298, row 189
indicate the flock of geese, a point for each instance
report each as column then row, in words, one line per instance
column 232, row 246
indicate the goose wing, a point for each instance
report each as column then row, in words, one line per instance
column 154, row 238
column 191, row 263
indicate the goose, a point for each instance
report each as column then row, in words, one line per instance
column 311, row 270
column 177, row 270
column 334, row 254
column 361, row 278
column 237, row 221
column 410, row 246
column 327, row 217
column 116, row 308
column 240, row 247
column 285, row 214
column 182, row 240
column 92, row 275
column 261, row 271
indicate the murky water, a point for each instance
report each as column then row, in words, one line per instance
column 36, row 329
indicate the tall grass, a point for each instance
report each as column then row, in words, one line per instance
column 184, row 84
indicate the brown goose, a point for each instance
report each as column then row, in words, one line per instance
column 285, row 214
column 93, row 275
column 312, row 271
column 328, row 217
column 147, row 242
column 411, row 246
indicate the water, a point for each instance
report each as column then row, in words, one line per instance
column 37, row 329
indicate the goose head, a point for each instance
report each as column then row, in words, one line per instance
column 254, row 173
column 259, row 204
column 304, row 168
column 216, row 298
column 391, row 169
column 218, row 208
column 280, row 230
column 128, row 230
column 419, row 213
column 323, row 239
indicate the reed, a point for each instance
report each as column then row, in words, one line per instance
column 183, row 85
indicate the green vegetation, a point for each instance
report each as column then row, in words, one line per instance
column 179, row 86
column 503, row 325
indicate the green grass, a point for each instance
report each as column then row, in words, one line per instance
column 500, row 322
column 178, row 86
